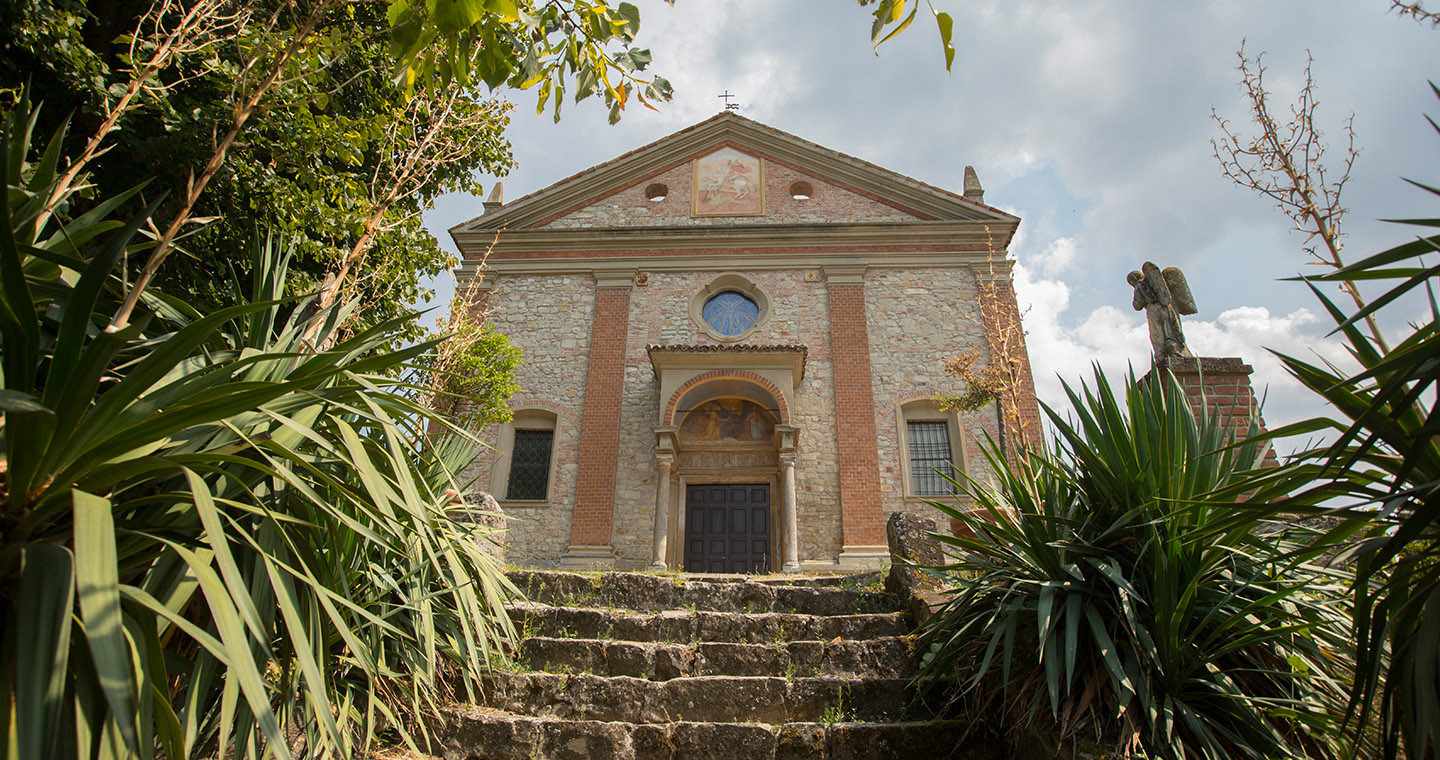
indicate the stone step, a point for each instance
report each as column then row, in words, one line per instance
column 884, row 657
column 473, row 734
column 718, row 699
column 684, row 626
column 871, row 579
column 640, row 591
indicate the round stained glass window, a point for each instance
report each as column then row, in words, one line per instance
column 730, row 313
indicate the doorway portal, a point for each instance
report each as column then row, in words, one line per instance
column 727, row 528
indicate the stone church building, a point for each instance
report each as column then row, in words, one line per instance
column 732, row 341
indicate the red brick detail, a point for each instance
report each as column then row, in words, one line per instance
column 600, row 421
column 1006, row 337
column 861, row 517
column 721, row 374
column 1221, row 386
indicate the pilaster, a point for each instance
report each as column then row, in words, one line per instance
column 862, row 524
column 593, row 520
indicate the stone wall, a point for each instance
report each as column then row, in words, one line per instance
column 829, row 203
column 660, row 313
column 917, row 319
column 549, row 319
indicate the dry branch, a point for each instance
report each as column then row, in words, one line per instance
column 1285, row 163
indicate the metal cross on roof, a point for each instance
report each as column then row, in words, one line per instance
column 727, row 95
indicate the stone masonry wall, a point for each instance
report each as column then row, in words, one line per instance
column 829, row 203
column 660, row 313
column 917, row 319
column 548, row 317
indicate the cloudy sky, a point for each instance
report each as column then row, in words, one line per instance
column 1090, row 119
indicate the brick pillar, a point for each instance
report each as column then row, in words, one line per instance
column 1222, row 384
column 862, row 521
column 593, row 518
column 1005, row 335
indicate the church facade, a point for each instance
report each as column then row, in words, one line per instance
column 732, row 340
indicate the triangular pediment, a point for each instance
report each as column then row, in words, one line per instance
column 732, row 171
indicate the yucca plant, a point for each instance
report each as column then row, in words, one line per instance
column 1107, row 593
column 1383, row 468
column 217, row 540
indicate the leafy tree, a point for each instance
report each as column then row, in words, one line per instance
column 299, row 116
column 472, row 373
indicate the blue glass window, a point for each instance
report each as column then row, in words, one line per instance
column 730, row 313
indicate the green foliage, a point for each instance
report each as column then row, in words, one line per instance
column 305, row 167
column 524, row 43
column 474, row 371
column 216, row 541
column 1107, row 589
column 893, row 16
column 1385, row 462
column 317, row 156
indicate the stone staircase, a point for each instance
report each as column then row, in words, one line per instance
column 662, row 667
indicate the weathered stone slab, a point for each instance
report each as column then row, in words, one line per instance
column 726, row 698
column 642, row 592
column 868, row 626
column 912, row 548
column 683, row 626
column 722, row 741
column 840, row 699
column 826, row 600
column 708, row 699
column 554, row 586
column 800, row 741
column 468, row 734
column 588, row 740
column 886, row 657
column 853, row 580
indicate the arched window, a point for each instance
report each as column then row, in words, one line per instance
column 931, row 448
column 525, row 469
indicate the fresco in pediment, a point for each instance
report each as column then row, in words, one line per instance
column 728, row 183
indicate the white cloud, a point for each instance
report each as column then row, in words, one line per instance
column 1058, row 257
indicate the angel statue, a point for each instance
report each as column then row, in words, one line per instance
column 1164, row 296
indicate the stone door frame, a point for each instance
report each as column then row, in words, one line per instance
column 684, row 374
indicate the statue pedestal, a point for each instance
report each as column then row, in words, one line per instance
column 1222, row 386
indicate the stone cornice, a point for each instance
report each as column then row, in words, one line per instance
column 977, row 261
column 558, row 243
column 727, row 129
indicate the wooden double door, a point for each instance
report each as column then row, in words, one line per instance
column 727, row 528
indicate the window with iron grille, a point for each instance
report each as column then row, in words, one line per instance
column 530, row 465
column 929, row 444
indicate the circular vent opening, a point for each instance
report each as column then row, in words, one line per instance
column 656, row 191
column 801, row 190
